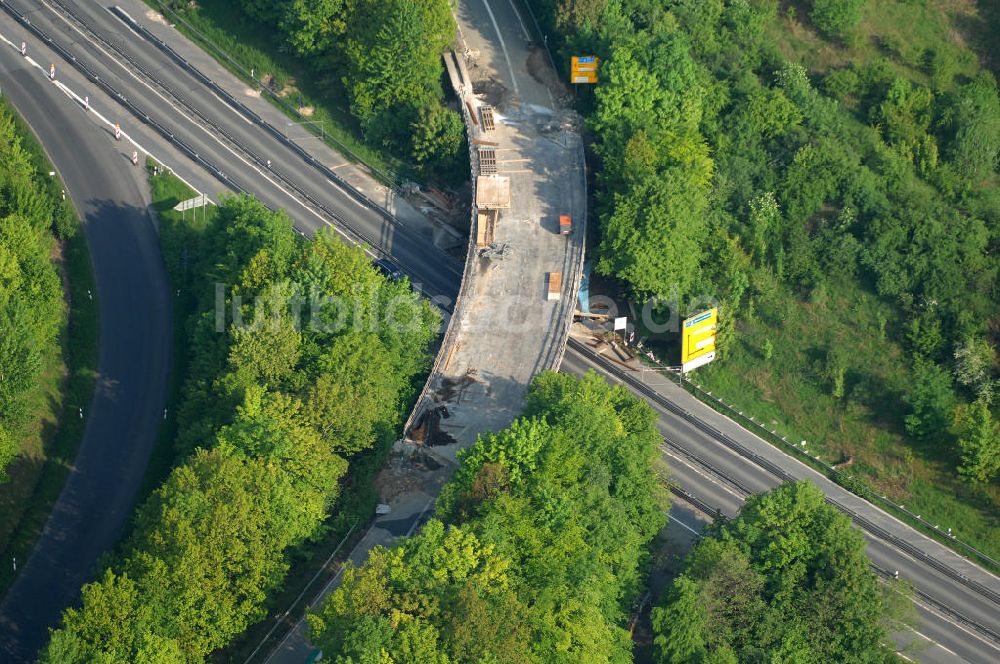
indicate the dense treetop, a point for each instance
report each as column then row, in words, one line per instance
column 276, row 402
column 537, row 551
column 388, row 57
column 728, row 169
column 787, row 580
column 31, row 302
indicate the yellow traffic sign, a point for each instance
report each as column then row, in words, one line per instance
column 698, row 339
column 584, row 69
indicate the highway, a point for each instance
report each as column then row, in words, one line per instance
column 135, row 336
column 430, row 266
column 250, row 156
column 721, row 478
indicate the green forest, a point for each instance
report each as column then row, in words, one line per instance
column 316, row 361
column 539, row 548
column 824, row 170
column 543, row 541
column 373, row 66
column 827, row 172
column 48, row 337
column 785, row 581
column 32, row 310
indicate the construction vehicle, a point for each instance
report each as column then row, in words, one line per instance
column 565, row 224
column 555, row 286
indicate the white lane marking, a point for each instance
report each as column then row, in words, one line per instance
column 332, row 581
column 940, row 615
column 210, row 134
column 322, row 593
column 814, row 475
column 294, row 630
column 503, row 46
column 354, row 200
column 416, row 522
column 708, row 477
column 686, row 527
column 868, row 536
column 66, row 90
column 726, row 488
column 527, row 37
column 519, row 20
column 811, row 474
column 114, row 57
column 139, row 36
column 929, row 639
column 931, row 609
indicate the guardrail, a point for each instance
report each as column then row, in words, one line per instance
column 275, row 95
column 672, row 448
column 776, row 471
column 847, row 481
column 229, row 99
column 577, row 267
column 119, row 97
column 715, row 513
column 538, row 28
column 451, row 329
column 164, row 132
column 281, row 618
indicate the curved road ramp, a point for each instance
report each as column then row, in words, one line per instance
column 525, row 255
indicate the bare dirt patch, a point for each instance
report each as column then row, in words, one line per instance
column 540, row 68
column 493, row 92
column 406, row 472
column 155, row 17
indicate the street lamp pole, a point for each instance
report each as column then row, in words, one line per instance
column 321, row 123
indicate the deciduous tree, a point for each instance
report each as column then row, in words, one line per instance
column 979, row 441
column 786, row 580
column 836, row 18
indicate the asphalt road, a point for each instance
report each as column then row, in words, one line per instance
column 124, row 416
column 195, row 114
column 721, row 478
column 427, row 264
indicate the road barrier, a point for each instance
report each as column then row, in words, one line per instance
column 275, row 95
column 845, row 480
column 452, row 328
column 236, row 104
column 715, row 513
column 218, row 173
column 779, row 473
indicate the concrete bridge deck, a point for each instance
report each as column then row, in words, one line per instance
column 505, row 328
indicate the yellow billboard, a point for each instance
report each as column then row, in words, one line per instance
column 584, row 69
column 698, row 339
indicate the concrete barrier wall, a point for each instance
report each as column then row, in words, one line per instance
column 463, row 89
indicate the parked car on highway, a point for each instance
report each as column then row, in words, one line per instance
column 389, row 269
